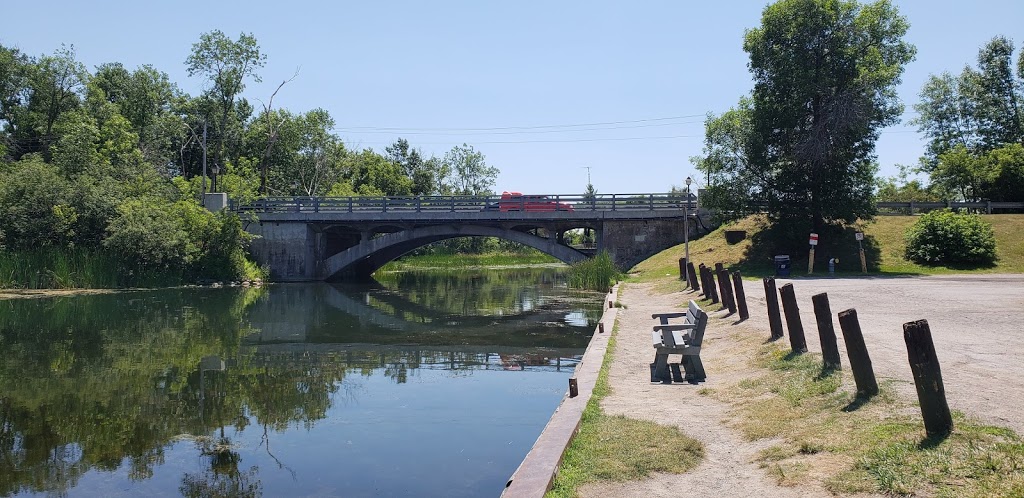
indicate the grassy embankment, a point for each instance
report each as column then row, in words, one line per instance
column 883, row 245
column 820, row 431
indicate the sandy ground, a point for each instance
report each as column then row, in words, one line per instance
column 976, row 323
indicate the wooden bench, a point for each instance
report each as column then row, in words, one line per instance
column 679, row 338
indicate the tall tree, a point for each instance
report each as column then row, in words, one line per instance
column 225, row 63
column 14, row 67
column 415, row 168
column 980, row 109
column 825, row 75
column 471, row 174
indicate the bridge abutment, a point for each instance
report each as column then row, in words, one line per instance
column 629, row 242
column 292, row 251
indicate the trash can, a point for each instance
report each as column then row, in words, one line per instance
column 782, row 265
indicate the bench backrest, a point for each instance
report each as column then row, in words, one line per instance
column 700, row 319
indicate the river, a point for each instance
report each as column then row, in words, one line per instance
column 426, row 383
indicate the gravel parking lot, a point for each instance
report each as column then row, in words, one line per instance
column 977, row 324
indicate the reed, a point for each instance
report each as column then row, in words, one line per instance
column 597, row 273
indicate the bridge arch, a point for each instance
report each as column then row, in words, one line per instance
column 365, row 258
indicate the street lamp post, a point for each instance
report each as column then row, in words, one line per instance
column 686, row 229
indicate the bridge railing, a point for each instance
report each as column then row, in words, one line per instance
column 463, row 203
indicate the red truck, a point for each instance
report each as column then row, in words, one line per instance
column 516, row 201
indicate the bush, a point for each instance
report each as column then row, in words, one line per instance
column 948, row 238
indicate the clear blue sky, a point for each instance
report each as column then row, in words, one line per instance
column 442, row 72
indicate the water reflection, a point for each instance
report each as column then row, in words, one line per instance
column 183, row 391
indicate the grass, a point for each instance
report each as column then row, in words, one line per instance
column 617, row 448
column 849, row 445
column 884, row 246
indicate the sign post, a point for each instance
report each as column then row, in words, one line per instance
column 810, row 260
column 860, row 249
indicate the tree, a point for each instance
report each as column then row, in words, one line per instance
column 14, row 67
column 825, row 75
column 901, row 189
column 55, row 83
column 226, row 64
column 412, row 164
column 472, row 175
column 980, row 109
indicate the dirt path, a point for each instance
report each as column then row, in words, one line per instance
column 977, row 323
column 728, row 468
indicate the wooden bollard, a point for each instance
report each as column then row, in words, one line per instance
column 703, row 281
column 574, row 389
column 771, row 295
column 610, row 303
column 682, row 269
column 728, row 301
column 857, row 351
column 709, row 279
column 928, row 377
column 741, row 295
column 600, row 327
column 691, row 274
column 826, row 331
column 796, row 327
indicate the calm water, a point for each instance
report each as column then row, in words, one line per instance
column 426, row 384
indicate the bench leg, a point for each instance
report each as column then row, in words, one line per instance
column 694, row 368
column 659, row 369
column 677, row 376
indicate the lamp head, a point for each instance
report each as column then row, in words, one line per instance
column 689, row 181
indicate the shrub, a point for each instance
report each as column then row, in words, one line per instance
column 948, row 238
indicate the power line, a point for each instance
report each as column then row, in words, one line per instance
column 529, row 132
column 498, row 128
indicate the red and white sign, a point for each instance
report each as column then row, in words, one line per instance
column 814, row 239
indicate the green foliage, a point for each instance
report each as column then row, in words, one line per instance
column 36, row 206
column 979, row 109
column 597, row 273
column 948, row 238
column 901, row 189
column 825, row 74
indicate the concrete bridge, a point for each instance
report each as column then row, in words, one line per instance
column 321, row 238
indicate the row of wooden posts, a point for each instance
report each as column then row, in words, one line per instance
column 920, row 349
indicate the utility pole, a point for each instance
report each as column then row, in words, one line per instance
column 588, row 174
column 203, row 200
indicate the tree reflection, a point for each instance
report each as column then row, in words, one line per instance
column 114, row 381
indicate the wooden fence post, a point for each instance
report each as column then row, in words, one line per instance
column 826, row 331
column 796, row 327
column 703, row 281
column 771, row 295
column 928, row 377
column 741, row 295
column 691, row 274
column 709, row 285
column 726, row 288
column 682, row 270
column 857, row 351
